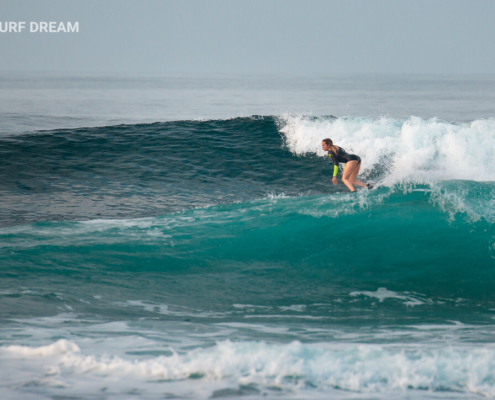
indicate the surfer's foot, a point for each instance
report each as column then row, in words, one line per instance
column 369, row 186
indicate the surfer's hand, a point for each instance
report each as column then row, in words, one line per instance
column 334, row 180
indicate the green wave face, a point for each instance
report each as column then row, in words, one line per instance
column 300, row 250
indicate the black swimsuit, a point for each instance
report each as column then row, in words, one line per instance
column 342, row 157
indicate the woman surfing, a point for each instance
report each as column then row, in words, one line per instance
column 352, row 165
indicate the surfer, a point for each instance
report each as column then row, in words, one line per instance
column 352, row 165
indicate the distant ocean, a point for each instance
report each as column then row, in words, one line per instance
column 180, row 237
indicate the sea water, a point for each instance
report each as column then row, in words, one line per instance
column 179, row 237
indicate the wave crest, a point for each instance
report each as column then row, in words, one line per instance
column 417, row 150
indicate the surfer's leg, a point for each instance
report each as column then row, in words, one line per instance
column 354, row 173
column 348, row 169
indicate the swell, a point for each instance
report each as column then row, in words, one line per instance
column 150, row 169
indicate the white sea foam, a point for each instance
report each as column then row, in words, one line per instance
column 178, row 311
column 59, row 347
column 294, row 367
column 410, row 150
column 251, row 307
column 294, row 307
column 382, row 293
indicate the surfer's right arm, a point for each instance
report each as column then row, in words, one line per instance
column 332, row 155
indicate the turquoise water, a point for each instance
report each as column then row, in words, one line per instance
column 213, row 258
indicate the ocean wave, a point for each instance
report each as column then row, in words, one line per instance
column 293, row 368
column 131, row 171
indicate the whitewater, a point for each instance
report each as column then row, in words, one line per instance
column 155, row 244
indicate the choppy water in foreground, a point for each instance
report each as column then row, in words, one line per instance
column 212, row 258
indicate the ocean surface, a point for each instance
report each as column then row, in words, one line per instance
column 179, row 237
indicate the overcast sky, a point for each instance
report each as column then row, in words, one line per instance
column 253, row 36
